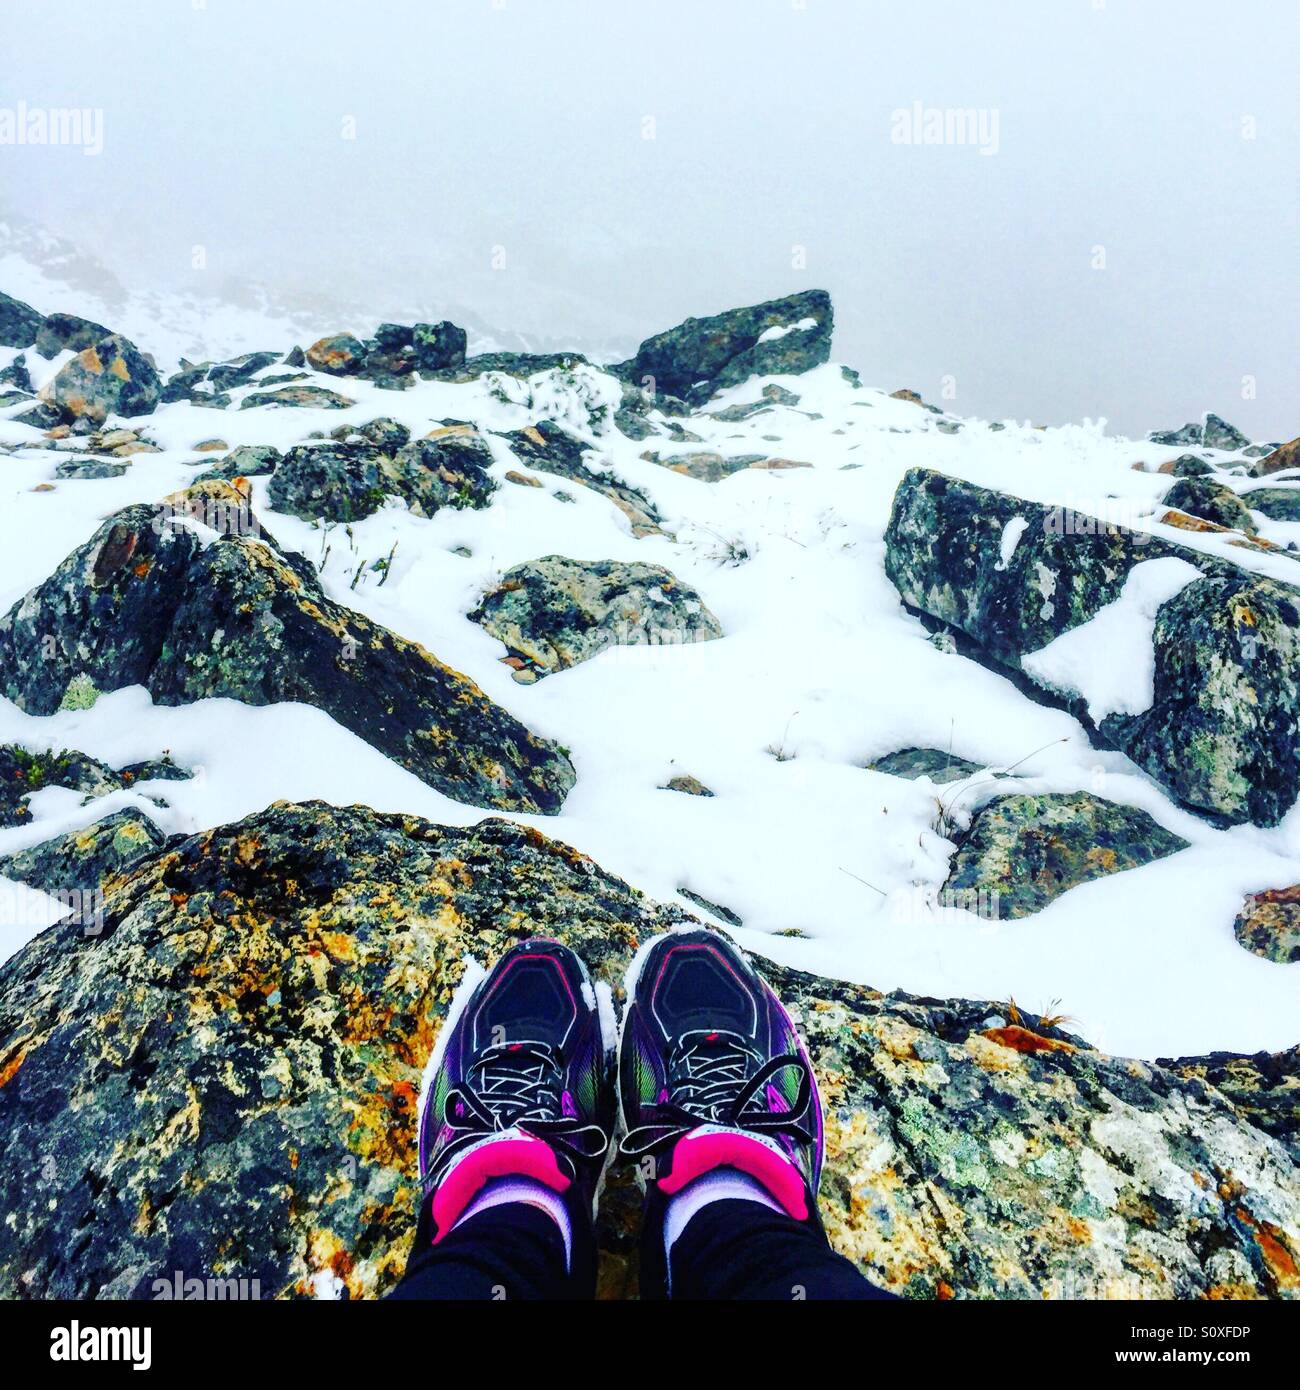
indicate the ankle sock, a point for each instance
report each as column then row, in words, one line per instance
column 502, row 1191
column 722, row 1184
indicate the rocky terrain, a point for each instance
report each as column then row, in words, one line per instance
column 946, row 720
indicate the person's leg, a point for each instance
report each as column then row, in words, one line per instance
column 510, row 1250
column 724, row 1118
column 725, row 1245
column 515, row 1117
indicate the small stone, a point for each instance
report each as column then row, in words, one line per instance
column 936, row 764
column 687, row 785
column 555, row 612
column 1269, row 924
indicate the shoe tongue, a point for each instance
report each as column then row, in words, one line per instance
column 718, row 1040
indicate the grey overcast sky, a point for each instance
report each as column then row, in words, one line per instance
column 1129, row 247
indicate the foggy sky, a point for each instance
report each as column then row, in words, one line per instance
column 517, row 128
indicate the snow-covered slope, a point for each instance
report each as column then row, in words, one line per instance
column 830, row 867
column 222, row 317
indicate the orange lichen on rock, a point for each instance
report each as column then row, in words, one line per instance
column 10, row 1069
column 1024, row 1040
column 1278, row 1256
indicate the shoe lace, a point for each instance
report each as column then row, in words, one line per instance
column 715, row 1078
column 518, row 1085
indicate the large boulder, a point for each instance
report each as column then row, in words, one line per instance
column 224, row 1080
column 554, row 612
column 1211, row 501
column 1213, row 432
column 19, row 322
column 339, row 355
column 1220, row 724
column 1285, row 456
column 1022, row 852
column 703, row 356
column 111, row 378
column 1219, row 434
column 68, row 333
column 349, row 480
column 439, row 347
column 193, row 600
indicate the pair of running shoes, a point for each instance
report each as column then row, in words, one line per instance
column 529, row 1079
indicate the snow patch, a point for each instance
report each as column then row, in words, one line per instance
column 1110, row 660
column 778, row 331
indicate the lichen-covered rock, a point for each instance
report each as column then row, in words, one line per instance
column 328, row 482
column 1021, row 851
column 1269, row 924
column 111, row 378
column 709, row 467
column 19, row 322
column 217, row 609
column 239, row 371
column 1211, row 501
column 1187, row 466
column 446, row 468
column 516, row 364
column 1286, row 456
column 347, row 481
column 686, row 784
column 555, row 612
column 914, row 398
column 89, row 470
column 703, row 356
column 339, row 355
column 247, row 461
column 1219, row 434
column 1213, row 432
column 300, row 397
column 936, row 764
column 1263, row 1086
column 1276, row 503
column 387, row 435
column 223, row 1081
column 68, row 333
column 439, row 346
column 16, row 374
column 1223, row 729
column 39, row 417
column 24, row 771
column 549, row 448
column 80, row 866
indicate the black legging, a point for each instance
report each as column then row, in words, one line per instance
column 729, row 1250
